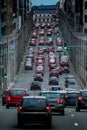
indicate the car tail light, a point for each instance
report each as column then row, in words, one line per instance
column 9, row 98
column 60, row 101
column 66, row 96
column 80, row 98
column 48, row 108
column 20, row 108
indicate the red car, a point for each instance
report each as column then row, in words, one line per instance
column 63, row 64
column 40, row 62
column 14, row 96
column 41, row 42
column 40, row 51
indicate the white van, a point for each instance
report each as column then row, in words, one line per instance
column 64, row 58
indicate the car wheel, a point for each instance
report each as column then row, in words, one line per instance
column 20, row 123
column 63, row 112
column 77, row 109
column 3, row 103
column 7, row 106
column 49, row 124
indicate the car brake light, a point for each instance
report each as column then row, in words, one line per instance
column 80, row 98
column 19, row 108
column 66, row 96
column 60, row 101
column 9, row 98
column 47, row 108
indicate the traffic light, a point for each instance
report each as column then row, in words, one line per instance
column 5, row 76
column 65, row 46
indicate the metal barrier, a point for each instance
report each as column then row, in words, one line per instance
column 12, row 49
column 77, row 42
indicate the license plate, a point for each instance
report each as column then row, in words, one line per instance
column 53, row 107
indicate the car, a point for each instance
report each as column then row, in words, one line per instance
column 56, row 88
column 35, row 85
column 52, row 66
column 40, row 67
column 56, row 101
column 53, row 80
column 38, row 77
column 70, row 79
column 28, row 65
column 49, row 34
column 4, row 96
column 53, row 73
column 70, row 97
column 41, row 42
column 64, row 61
column 40, row 51
column 34, row 109
column 66, row 69
column 14, row 96
column 59, row 49
column 50, row 49
column 37, row 71
column 41, row 33
column 59, row 41
column 32, row 42
column 59, row 70
column 81, row 101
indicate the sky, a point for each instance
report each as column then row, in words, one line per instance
column 43, row 2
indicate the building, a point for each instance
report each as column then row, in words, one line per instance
column 13, row 34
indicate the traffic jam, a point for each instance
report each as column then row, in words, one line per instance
column 53, row 86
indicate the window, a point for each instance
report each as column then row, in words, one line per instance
column 86, row 5
column 85, row 18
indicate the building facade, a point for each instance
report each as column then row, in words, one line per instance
column 14, row 32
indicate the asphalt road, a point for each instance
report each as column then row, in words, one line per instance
column 70, row 121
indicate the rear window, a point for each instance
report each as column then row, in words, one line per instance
column 51, row 95
column 73, row 94
column 34, row 102
column 17, row 92
column 84, row 94
column 55, row 88
column 5, row 92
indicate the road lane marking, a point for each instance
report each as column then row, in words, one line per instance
column 76, row 124
column 72, row 115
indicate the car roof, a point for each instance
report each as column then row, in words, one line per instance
column 42, row 97
column 73, row 91
column 48, row 91
column 14, row 88
column 83, row 90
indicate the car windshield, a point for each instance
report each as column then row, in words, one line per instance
column 17, row 92
column 33, row 102
column 51, row 95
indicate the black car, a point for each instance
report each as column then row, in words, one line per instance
column 53, row 81
column 38, row 77
column 34, row 109
column 56, row 101
column 81, row 102
column 70, row 97
column 35, row 85
column 4, row 96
